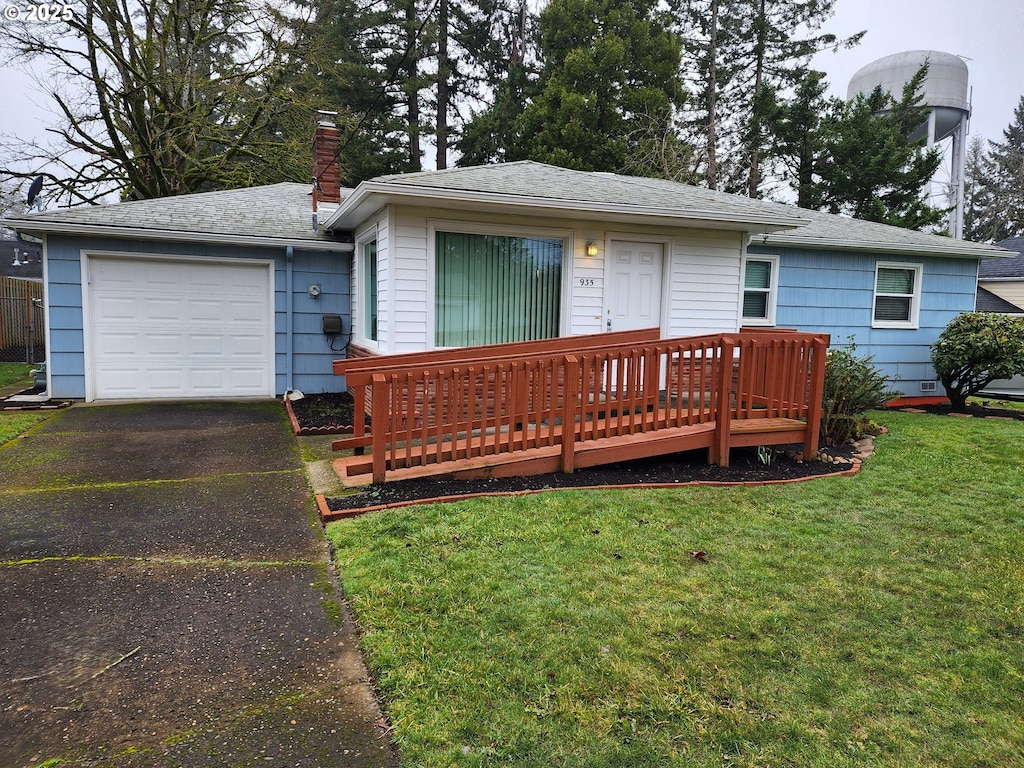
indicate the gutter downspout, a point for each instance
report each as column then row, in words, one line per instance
column 289, row 252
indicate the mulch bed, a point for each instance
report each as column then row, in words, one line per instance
column 989, row 409
column 677, row 469
column 332, row 413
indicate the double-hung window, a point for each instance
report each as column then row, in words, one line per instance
column 897, row 295
column 493, row 289
column 760, row 275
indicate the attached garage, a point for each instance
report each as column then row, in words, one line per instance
column 162, row 327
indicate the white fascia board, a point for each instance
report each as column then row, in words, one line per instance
column 952, row 251
column 39, row 228
column 370, row 196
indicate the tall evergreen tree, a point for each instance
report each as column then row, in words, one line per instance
column 164, row 97
column 497, row 65
column 1004, row 168
column 347, row 71
column 871, row 169
column 800, row 141
column 744, row 56
column 611, row 67
column 977, row 193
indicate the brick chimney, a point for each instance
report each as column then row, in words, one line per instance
column 326, row 143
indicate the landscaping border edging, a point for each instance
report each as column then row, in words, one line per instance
column 327, row 515
column 300, row 431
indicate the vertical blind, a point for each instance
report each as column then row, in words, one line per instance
column 370, row 292
column 757, row 283
column 493, row 289
column 894, row 291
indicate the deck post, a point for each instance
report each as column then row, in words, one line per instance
column 819, row 353
column 570, row 402
column 719, row 452
column 379, row 425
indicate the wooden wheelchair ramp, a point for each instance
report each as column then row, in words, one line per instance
column 528, row 410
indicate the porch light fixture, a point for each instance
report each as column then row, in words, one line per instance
column 591, row 248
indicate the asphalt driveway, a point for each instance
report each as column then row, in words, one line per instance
column 166, row 598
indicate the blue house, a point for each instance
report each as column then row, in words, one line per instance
column 890, row 291
column 245, row 293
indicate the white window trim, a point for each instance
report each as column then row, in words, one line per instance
column 773, row 290
column 357, row 328
column 483, row 228
column 915, row 300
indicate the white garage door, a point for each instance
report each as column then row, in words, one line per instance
column 161, row 328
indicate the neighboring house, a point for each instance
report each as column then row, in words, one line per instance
column 1004, row 278
column 20, row 259
column 1001, row 289
column 229, row 293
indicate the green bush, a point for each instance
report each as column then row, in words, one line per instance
column 975, row 349
column 853, row 385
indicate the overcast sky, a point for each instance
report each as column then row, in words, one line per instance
column 988, row 34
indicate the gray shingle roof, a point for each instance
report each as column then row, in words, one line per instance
column 822, row 230
column 987, row 301
column 530, row 179
column 276, row 213
column 830, row 230
column 281, row 213
column 1005, row 268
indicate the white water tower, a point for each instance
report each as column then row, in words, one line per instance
column 944, row 93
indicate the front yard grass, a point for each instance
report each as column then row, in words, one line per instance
column 15, row 373
column 14, row 423
column 871, row 620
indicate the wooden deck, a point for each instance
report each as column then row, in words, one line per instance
column 505, row 410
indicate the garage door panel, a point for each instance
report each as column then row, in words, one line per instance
column 164, row 345
column 180, row 328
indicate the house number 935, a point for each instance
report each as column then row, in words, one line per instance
column 586, row 282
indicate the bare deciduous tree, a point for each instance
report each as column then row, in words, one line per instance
column 163, row 97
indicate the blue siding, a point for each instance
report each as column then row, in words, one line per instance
column 833, row 292
column 312, row 357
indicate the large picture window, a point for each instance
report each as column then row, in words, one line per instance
column 493, row 289
column 897, row 295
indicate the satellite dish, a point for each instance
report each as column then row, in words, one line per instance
column 34, row 189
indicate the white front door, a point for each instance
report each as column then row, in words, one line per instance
column 635, row 274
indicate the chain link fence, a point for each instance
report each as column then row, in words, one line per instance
column 22, row 336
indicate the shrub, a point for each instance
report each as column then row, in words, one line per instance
column 975, row 349
column 853, row 385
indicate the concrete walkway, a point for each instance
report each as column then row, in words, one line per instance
column 166, row 597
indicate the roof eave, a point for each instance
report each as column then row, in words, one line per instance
column 876, row 246
column 371, row 196
column 39, row 228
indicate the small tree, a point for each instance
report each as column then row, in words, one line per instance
column 974, row 350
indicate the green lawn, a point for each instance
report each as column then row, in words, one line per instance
column 14, row 423
column 15, row 373
column 872, row 620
